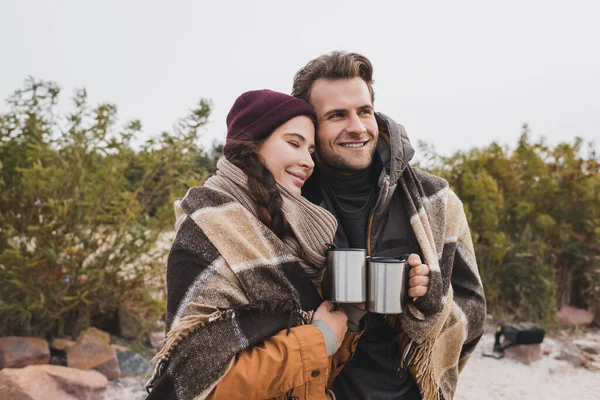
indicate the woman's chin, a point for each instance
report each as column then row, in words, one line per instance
column 293, row 188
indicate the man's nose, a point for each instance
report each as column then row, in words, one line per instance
column 355, row 125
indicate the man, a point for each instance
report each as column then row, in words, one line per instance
column 385, row 205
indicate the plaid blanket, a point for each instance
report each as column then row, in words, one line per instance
column 233, row 284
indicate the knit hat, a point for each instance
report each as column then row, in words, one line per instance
column 256, row 114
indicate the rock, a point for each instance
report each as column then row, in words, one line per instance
column 16, row 352
column 110, row 369
column 572, row 355
column 575, row 316
column 119, row 348
column 524, row 353
column 41, row 382
column 132, row 363
column 594, row 365
column 156, row 339
column 130, row 322
column 58, row 358
column 548, row 346
column 588, row 346
column 61, row 344
column 93, row 350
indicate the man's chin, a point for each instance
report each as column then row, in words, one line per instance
column 348, row 166
column 352, row 168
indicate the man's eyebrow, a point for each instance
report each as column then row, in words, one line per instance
column 334, row 111
column 366, row 106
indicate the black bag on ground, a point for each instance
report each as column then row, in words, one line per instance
column 516, row 334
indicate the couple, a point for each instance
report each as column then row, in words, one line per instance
column 246, row 316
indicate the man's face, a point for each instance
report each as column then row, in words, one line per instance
column 347, row 129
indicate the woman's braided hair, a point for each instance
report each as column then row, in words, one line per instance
column 262, row 186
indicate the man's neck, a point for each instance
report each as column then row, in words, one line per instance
column 349, row 181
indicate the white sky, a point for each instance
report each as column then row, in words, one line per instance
column 455, row 73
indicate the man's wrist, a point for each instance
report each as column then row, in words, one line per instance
column 355, row 316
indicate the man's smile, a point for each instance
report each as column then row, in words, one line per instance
column 353, row 145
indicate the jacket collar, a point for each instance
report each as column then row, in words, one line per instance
column 393, row 146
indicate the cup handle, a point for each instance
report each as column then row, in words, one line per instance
column 407, row 268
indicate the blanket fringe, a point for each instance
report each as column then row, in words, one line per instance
column 188, row 324
column 184, row 327
column 421, row 362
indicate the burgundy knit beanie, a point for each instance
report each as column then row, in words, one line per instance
column 256, row 114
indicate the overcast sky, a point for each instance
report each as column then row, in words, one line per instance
column 455, row 73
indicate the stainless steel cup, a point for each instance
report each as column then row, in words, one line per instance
column 388, row 279
column 347, row 275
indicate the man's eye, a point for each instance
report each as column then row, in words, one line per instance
column 336, row 115
column 366, row 111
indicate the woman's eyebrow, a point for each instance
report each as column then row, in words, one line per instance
column 300, row 137
column 297, row 135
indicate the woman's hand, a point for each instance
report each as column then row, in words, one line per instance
column 336, row 320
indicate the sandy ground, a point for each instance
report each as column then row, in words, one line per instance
column 127, row 388
column 483, row 379
column 548, row 379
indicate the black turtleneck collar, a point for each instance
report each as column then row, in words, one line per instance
column 356, row 183
column 351, row 197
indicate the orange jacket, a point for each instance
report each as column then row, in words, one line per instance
column 294, row 366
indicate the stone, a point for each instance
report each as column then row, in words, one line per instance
column 93, row 350
column 156, row 339
column 119, row 348
column 594, row 365
column 548, row 346
column 588, row 346
column 17, row 352
column 571, row 354
column 575, row 316
column 132, row 363
column 42, row 382
column 524, row 353
column 130, row 322
column 61, row 344
column 110, row 368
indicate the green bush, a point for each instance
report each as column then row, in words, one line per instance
column 82, row 211
column 534, row 213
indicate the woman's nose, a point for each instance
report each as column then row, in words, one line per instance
column 307, row 160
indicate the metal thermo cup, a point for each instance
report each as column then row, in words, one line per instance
column 387, row 279
column 347, row 275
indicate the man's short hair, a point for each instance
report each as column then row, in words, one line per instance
column 335, row 65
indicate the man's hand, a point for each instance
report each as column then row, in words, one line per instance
column 418, row 277
column 355, row 312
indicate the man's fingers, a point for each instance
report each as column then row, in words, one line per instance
column 422, row 269
column 417, row 291
column 414, row 260
column 418, row 281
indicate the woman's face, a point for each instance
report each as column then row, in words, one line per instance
column 287, row 152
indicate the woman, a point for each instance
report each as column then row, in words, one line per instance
column 245, row 317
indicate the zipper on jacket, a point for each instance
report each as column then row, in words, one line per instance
column 369, row 229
